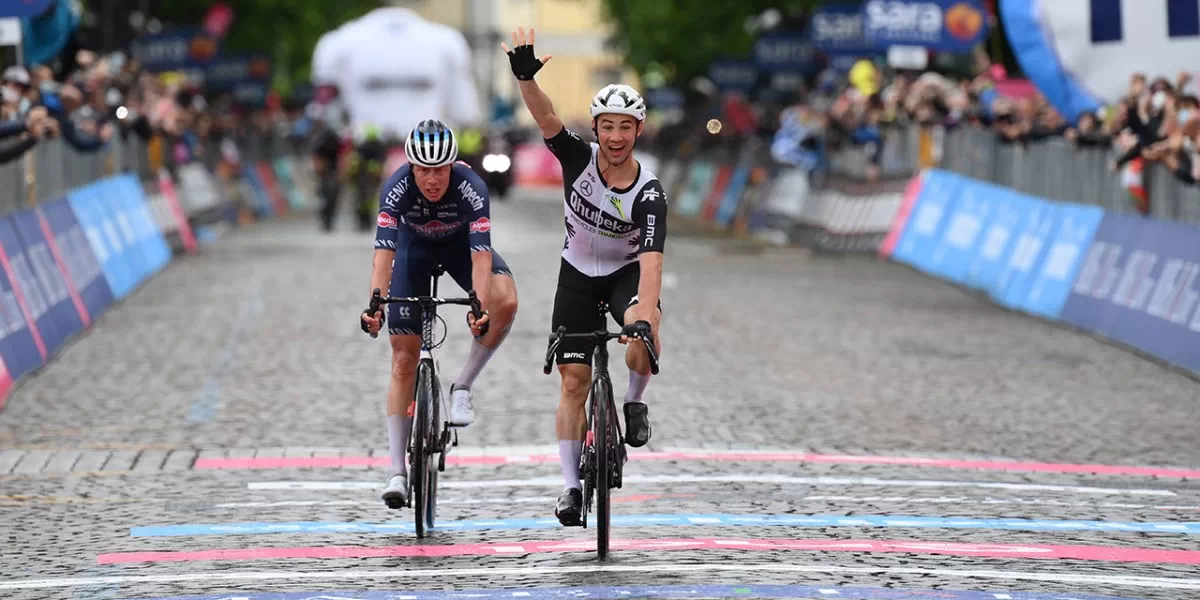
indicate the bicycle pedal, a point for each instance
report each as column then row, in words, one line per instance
column 394, row 504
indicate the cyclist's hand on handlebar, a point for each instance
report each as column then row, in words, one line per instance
column 478, row 326
column 372, row 324
column 637, row 330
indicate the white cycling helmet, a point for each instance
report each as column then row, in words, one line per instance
column 431, row 144
column 620, row 99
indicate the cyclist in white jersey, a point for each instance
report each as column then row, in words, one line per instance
column 616, row 221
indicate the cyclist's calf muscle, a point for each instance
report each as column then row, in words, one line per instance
column 406, row 354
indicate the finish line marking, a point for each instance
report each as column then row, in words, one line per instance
column 987, row 501
column 556, row 482
column 209, row 578
column 713, row 455
column 664, row 520
column 1033, row 551
column 659, row 591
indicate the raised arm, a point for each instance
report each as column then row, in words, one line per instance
column 525, row 64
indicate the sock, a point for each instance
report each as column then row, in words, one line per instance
column 569, row 452
column 477, row 358
column 399, row 429
column 637, row 386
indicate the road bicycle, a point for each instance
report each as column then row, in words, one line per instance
column 604, row 455
column 432, row 434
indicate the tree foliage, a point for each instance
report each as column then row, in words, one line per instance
column 286, row 30
column 680, row 38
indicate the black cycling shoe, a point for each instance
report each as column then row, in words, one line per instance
column 637, row 424
column 569, row 509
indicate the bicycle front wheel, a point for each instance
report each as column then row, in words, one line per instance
column 602, row 401
column 419, row 459
column 434, row 445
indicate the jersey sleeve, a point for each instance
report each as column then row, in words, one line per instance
column 395, row 198
column 477, row 205
column 570, row 150
column 650, row 214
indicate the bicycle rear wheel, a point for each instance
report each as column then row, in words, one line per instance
column 419, row 459
column 602, row 400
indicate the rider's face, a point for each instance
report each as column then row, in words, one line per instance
column 432, row 181
column 616, row 134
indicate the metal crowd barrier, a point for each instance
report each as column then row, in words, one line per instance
column 1051, row 169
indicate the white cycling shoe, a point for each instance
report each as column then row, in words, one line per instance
column 395, row 494
column 462, row 412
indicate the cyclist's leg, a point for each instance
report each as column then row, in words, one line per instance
column 575, row 309
column 623, row 302
column 410, row 277
column 501, row 304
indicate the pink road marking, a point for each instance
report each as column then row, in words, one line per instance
column 944, row 463
column 1095, row 553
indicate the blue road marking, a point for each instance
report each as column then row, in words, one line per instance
column 1190, row 528
column 671, row 591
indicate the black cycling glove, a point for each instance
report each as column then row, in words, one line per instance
column 524, row 63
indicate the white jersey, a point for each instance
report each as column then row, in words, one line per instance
column 393, row 69
column 606, row 229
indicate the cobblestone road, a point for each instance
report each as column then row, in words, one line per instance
column 883, row 395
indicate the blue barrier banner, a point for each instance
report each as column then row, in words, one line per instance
column 701, row 174
column 947, row 25
column 957, row 248
column 149, row 240
column 36, row 298
column 21, row 344
column 733, row 195
column 1139, row 285
column 733, row 75
column 64, row 307
column 997, row 240
column 82, row 266
column 923, row 233
column 92, row 211
column 1050, row 284
column 116, row 202
column 1034, row 232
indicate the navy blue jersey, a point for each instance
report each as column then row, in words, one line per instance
column 464, row 206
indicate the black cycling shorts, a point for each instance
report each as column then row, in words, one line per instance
column 576, row 306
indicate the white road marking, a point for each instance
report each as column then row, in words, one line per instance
column 208, row 578
column 555, row 482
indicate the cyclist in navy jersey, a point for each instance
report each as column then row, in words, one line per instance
column 434, row 210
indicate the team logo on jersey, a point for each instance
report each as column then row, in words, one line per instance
column 650, row 196
column 469, row 194
column 436, row 228
column 616, row 202
column 585, row 187
column 483, row 225
column 386, row 221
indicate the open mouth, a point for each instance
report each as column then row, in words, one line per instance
column 616, row 150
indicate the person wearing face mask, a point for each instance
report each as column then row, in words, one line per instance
column 35, row 125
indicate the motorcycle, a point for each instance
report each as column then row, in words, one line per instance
column 496, row 165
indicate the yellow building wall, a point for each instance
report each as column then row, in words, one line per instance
column 572, row 30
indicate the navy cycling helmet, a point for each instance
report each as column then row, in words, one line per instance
column 431, row 144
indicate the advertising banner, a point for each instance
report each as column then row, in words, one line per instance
column 1050, row 283
column 21, row 346
column 49, row 304
column 785, row 52
column 92, row 212
column 923, row 233
column 82, row 266
column 837, row 29
column 1139, row 284
column 945, row 25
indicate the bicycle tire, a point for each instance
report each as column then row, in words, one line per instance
column 587, row 466
column 419, row 458
column 602, row 394
column 435, row 445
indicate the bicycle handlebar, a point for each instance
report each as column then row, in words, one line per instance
column 639, row 330
column 378, row 300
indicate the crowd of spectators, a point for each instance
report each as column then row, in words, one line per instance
column 1158, row 120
